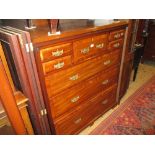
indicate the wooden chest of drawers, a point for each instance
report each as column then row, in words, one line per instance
column 79, row 76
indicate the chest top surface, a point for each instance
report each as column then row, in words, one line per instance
column 40, row 35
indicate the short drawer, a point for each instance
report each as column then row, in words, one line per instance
column 82, row 49
column 118, row 44
column 74, row 96
column 114, row 35
column 61, row 80
column 56, row 64
column 89, row 47
column 80, row 117
column 54, row 52
column 100, row 42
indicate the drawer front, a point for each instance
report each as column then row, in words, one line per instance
column 59, row 81
column 104, row 101
column 56, row 64
column 55, row 51
column 83, row 49
column 118, row 44
column 74, row 121
column 79, row 93
column 116, row 35
column 100, row 42
column 86, row 48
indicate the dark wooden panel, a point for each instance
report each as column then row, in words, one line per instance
column 149, row 51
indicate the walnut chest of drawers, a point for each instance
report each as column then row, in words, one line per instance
column 79, row 74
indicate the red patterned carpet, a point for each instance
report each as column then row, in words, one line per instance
column 136, row 116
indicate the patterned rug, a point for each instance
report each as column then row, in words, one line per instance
column 136, row 116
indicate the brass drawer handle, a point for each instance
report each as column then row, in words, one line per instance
column 105, row 101
column 100, row 45
column 59, row 65
column 107, row 62
column 78, row 121
column 58, row 53
column 105, row 82
column 116, row 45
column 85, row 50
column 74, row 77
column 75, row 99
column 117, row 35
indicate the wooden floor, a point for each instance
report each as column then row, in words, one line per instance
column 145, row 72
